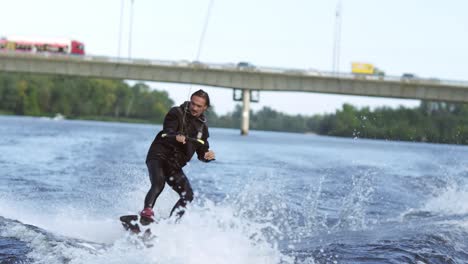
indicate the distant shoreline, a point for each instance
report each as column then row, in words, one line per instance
column 140, row 121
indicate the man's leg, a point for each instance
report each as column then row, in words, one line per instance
column 181, row 185
column 156, row 174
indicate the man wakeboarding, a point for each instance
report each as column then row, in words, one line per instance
column 184, row 133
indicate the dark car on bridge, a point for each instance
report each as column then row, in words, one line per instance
column 408, row 76
column 246, row 66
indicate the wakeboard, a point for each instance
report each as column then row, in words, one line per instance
column 135, row 224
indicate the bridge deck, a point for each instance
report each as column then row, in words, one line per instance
column 229, row 76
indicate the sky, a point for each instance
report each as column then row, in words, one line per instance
column 427, row 38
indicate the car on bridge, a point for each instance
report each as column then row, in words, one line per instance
column 245, row 66
column 408, row 76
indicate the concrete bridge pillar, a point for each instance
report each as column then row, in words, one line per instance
column 245, row 112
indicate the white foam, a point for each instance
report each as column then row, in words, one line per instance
column 204, row 236
column 451, row 201
column 207, row 234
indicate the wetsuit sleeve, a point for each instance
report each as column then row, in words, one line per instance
column 171, row 122
column 202, row 149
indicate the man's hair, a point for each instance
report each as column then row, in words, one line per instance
column 202, row 94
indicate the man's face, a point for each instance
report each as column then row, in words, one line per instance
column 197, row 105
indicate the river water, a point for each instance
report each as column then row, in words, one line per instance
column 268, row 198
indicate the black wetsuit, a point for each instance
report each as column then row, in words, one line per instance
column 167, row 156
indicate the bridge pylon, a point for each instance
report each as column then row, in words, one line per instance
column 245, row 119
column 247, row 96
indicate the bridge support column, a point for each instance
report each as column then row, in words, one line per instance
column 245, row 112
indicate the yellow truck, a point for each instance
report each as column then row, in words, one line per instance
column 365, row 68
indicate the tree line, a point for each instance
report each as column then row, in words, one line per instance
column 78, row 97
column 89, row 98
column 438, row 122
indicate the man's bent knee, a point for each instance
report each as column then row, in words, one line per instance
column 188, row 196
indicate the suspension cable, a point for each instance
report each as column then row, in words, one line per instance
column 197, row 57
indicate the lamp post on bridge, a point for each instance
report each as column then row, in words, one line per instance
column 130, row 31
column 337, row 39
column 122, row 3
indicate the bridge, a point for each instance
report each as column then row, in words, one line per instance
column 231, row 76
